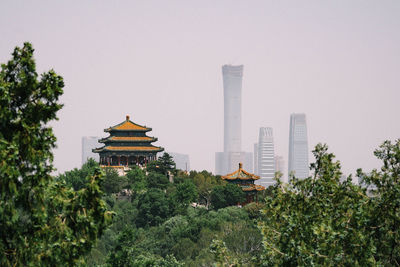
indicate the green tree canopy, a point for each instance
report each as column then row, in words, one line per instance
column 157, row 180
column 227, row 195
column 77, row 177
column 384, row 223
column 113, row 183
column 43, row 222
column 318, row 220
column 153, row 208
column 205, row 182
column 163, row 165
column 136, row 179
column 185, row 193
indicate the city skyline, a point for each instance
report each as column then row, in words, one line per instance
column 161, row 62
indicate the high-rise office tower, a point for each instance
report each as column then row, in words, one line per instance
column 280, row 166
column 298, row 146
column 255, row 153
column 266, row 162
column 89, row 143
column 227, row 161
column 232, row 78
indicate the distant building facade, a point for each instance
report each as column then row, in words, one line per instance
column 255, row 154
column 227, row 161
column 266, row 162
column 279, row 164
column 182, row 161
column 88, row 144
column 298, row 146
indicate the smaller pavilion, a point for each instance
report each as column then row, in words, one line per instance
column 245, row 180
column 127, row 145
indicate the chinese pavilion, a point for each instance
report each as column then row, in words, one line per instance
column 127, row 145
column 246, row 181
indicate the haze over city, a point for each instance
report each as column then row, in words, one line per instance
column 160, row 62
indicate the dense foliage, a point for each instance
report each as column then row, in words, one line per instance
column 42, row 221
column 384, row 206
column 322, row 221
column 165, row 221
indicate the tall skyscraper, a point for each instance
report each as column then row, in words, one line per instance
column 255, row 153
column 89, row 143
column 232, row 78
column 280, row 166
column 298, row 146
column 227, row 161
column 266, row 162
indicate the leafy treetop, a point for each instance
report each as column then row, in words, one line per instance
column 43, row 222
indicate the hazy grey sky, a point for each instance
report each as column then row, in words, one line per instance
column 160, row 62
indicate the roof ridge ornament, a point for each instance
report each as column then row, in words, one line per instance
column 127, row 117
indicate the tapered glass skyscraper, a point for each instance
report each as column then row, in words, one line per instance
column 232, row 77
column 228, row 160
column 298, row 146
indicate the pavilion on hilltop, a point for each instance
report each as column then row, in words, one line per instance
column 127, row 145
column 245, row 180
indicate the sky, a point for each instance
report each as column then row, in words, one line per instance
column 160, row 62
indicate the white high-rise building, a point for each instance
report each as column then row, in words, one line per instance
column 182, row 161
column 280, row 166
column 89, row 143
column 298, row 146
column 232, row 78
column 227, row 161
column 255, row 153
column 266, row 161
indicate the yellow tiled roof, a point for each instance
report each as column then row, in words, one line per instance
column 253, row 187
column 131, row 138
column 128, row 125
column 241, row 175
column 133, row 148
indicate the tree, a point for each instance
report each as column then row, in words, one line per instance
column 318, row 220
column 205, row 182
column 127, row 254
column 157, row 180
column 384, row 223
column 113, row 183
column 227, row 195
column 136, row 179
column 77, row 177
column 153, row 208
column 43, row 221
column 163, row 165
column 218, row 197
column 185, row 193
column 234, row 194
